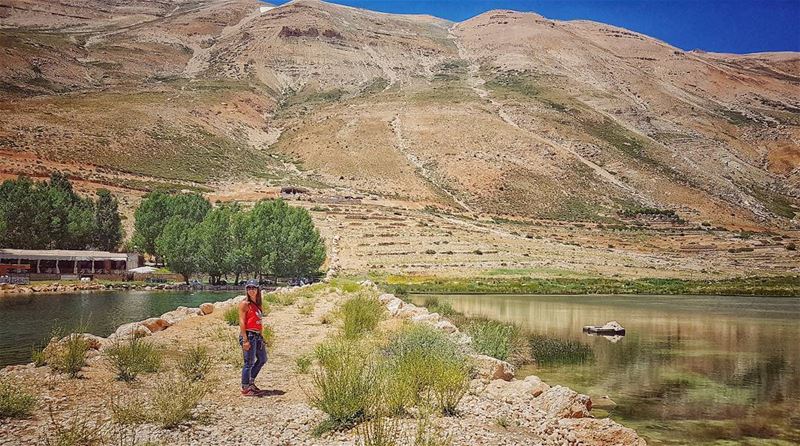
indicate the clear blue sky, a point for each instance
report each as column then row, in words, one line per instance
column 734, row 26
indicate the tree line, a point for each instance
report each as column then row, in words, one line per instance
column 191, row 237
column 51, row 215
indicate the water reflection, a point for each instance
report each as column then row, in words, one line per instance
column 28, row 320
column 690, row 369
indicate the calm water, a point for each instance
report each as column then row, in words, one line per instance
column 691, row 370
column 26, row 321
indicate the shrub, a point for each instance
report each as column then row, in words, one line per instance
column 450, row 384
column 128, row 410
column 268, row 333
column 37, row 356
column 437, row 306
column 129, row 359
column 303, row 364
column 546, row 350
column 493, row 338
column 428, row 435
column 343, row 384
column 15, row 402
column 67, row 355
column 174, row 401
column 195, row 363
column 231, row 351
column 76, row 430
column 231, row 315
column 426, row 366
column 360, row 314
column 379, row 432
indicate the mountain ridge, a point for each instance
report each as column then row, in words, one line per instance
column 507, row 113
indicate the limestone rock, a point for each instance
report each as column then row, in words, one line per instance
column 131, row 330
column 509, row 391
column 563, row 402
column 386, row 298
column 537, row 386
column 601, row 432
column 394, row 306
column 431, row 318
column 155, row 324
column 207, row 308
column 490, row 368
column 446, row 326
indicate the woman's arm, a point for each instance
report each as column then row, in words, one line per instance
column 242, row 330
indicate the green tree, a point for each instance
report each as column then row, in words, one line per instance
column 179, row 245
column 240, row 255
column 284, row 241
column 18, row 211
column 107, row 221
column 158, row 208
column 215, row 239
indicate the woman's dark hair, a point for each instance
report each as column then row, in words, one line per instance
column 258, row 295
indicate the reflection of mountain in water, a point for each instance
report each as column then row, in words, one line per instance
column 708, row 361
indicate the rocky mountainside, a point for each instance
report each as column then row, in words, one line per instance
column 506, row 114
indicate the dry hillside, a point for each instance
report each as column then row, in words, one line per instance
column 508, row 120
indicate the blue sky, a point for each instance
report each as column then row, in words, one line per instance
column 735, row 26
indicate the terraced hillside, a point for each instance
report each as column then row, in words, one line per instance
column 508, row 119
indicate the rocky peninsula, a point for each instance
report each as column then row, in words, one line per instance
column 497, row 409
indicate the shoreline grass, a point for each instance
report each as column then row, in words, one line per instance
column 779, row 286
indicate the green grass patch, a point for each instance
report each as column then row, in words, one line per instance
column 547, row 351
column 15, row 401
column 746, row 286
column 195, row 363
column 130, row 358
column 494, row 338
column 360, row 315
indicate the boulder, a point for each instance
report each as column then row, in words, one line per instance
column 394, row 306
column 537, row 386
column 386, row 298
column 603, row 402
column 206, row 308
column 178, row 314
column 562, row 402
column 131, row 330
column 490, row 368
column 601, row 432
column 446, row 326
column 508, row 391
column 431, row 318
column 155, row 324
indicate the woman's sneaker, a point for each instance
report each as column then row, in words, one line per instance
column 249, row 391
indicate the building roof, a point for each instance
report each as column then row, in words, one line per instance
column 60, row 254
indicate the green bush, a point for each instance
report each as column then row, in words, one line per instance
column 174, row 400
column 425, row 367
column 15, row 402
column 546, row 350
column 435, row 305
column 360, row 314
column 379, row 432
column 195, row 363
column 76, row 430
column 231, row 315
column 67, row 355
column 37, row 356
column 343, row 384
column 129, row 359
column 493, row 338
column 428, row 435
column 303, row 364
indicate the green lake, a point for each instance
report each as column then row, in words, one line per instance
column 691, row 370
column 27, row 321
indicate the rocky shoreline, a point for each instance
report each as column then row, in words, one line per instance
column 534, row 412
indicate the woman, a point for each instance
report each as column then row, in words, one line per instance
column 255, row 352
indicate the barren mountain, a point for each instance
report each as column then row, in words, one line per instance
column 507, row 115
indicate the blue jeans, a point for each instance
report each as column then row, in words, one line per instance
column 254, row 359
